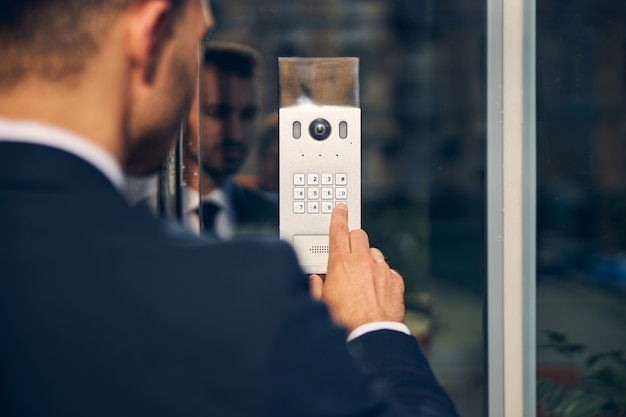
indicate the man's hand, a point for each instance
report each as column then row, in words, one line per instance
column 359, row 287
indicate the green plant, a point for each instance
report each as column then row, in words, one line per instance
column 600, row 392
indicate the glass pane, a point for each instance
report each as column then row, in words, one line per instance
column 581, row 207
column 219, row 133
column 422, row 94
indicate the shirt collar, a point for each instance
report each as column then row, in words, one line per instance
column 36, row 133
column 222, row 196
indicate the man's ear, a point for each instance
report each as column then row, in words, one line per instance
column 151, row 28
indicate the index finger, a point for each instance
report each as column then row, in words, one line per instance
column 339, row 235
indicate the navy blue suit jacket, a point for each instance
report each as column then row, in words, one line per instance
column 106, row 311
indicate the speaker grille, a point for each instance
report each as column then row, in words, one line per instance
column 319, row 249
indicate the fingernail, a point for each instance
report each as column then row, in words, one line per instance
column 342, row 205
column 377, row 255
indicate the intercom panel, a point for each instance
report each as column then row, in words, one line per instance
column 319, row 155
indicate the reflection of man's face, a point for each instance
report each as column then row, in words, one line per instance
column 228, row 109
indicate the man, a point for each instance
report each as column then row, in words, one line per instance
column 226, row 112
column 104, row 310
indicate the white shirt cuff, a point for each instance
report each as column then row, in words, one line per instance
column 378, row 325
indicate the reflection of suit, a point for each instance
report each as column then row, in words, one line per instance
column 105, row 311
column 232, row 211
column 256, row 211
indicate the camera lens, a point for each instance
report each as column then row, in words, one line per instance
column 319, row 129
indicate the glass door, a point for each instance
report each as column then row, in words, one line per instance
column 423, row 95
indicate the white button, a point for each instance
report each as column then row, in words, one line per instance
column 341, row 193
column 313, row 207
column 327, row 207
column 298, row 193
column 327, row 193
column 313, row 193
column 341, row 179
column 298, row 179
column 313, row 179
column 298, row 207
column 327, row 179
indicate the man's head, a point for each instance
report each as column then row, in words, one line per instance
column 227, row 109
column 138, row 58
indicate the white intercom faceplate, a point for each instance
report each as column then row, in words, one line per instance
column 320, row 166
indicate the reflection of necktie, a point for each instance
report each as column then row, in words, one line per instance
column 209, row 211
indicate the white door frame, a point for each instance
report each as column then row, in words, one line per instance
column 511, row 195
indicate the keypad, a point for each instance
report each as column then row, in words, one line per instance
column 317, row 193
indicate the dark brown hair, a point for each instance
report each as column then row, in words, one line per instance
column 53, row 38
column 232, row 58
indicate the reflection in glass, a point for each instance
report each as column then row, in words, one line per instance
column 221, row 129
column 581, row 207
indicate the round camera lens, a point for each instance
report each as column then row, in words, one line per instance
column 319, row 129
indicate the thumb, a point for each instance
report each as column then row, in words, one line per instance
column 316, row 285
